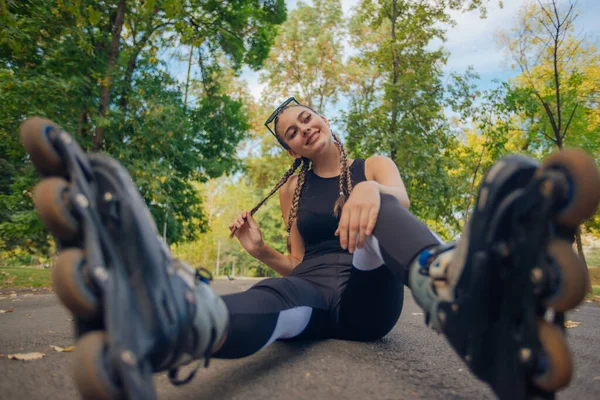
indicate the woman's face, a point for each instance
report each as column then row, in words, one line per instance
column 305, row 132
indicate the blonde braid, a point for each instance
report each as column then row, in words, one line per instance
column 297, row 193
column 279, row 184
column 296, row 200
column 345, row 178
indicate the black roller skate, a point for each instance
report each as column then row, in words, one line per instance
column 490, row 294
column 137, row 310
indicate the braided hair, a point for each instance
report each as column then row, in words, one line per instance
column 345, row 185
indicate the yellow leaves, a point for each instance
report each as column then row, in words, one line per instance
column 162, row 179
column 93, row 15
column 26, row 356
column 104, row 82
column 61, row 350
column 571, row 324
column 6, row 311
column 37, row 355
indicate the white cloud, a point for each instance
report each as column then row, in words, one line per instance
column 472, row 41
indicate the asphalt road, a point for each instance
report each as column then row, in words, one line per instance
column 410, row 362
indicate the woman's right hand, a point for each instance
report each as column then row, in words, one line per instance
column 247, row 232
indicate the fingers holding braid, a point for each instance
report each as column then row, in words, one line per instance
column 279, row 184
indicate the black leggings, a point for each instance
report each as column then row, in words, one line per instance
column 335, row 295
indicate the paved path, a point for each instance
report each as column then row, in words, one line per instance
column 410, row 362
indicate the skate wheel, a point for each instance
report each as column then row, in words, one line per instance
column 91, row 371
column 584, row 184
column 573, row 279
column 35, row 139
column 51, row 206
column 557, row 363
column 70, row 286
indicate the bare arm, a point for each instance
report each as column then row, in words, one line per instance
column 360, row 212
column 281, row 263
column 385, row 173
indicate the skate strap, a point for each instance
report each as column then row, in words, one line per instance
column 173, row 372
column 178, row 382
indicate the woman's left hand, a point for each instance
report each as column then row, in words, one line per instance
column 359, row 215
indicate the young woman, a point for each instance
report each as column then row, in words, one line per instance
column 353, row 245
column 351, row 241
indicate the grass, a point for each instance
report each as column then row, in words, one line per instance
column 593, row 258
column 595, row 278
column 21, row 277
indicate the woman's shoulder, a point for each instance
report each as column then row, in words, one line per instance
column 375, row 164
column 287, row 189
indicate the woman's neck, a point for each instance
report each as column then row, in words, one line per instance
column 327, row 164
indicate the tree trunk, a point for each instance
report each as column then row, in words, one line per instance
column 582, row 257
column 395, row 73
column 81, row 127
column 472, row 191
column 107, row 83
column 131, row 64
column 187, row 80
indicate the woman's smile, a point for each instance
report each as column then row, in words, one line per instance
column 313, row 137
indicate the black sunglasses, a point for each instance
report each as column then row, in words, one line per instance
column 277, row 111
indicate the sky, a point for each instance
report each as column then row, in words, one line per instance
column 472, row 41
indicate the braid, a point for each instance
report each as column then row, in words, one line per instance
column 296, row 200
column 281, row 182
column 345, row 184
column 297, row 193
column 345, row 178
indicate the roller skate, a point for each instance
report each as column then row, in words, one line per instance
column 499, row 295
column 137, row 310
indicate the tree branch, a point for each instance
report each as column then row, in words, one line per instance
column 569, row 121
column 548, row 111
column 547, row 14
column 557, row 128
column 548, row 136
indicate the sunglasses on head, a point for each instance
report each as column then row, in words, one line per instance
column 277, row 111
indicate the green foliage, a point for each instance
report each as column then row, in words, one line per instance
column 24, row 277
column 554, row 101
column 396, row 98
column 306, row 59
column 54, row 62
column 198, row 151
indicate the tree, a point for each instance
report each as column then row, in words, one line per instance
column 481, row 122
column 94, row 67
column 307, row 58
column 396, row 97
column 558, row 90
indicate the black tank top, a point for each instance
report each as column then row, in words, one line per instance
column 316, row 222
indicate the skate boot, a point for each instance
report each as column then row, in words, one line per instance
column 137, row 310
column 499, row 295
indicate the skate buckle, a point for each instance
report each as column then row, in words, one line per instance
column 203, row 275
column 428, row 255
